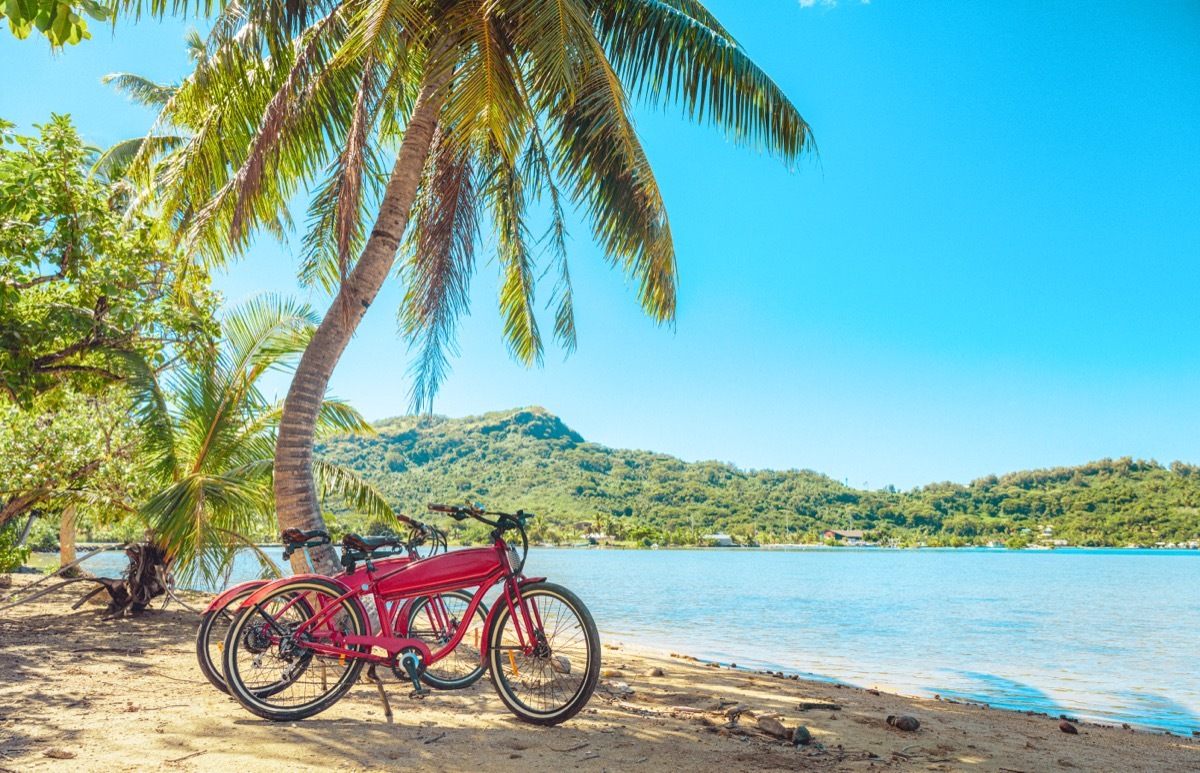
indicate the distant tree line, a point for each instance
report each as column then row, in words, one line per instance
column 530, row 459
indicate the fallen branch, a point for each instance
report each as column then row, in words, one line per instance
column 51, row 589
column 187, row 756
column 572, row 749
column 437, row 737
column 71, row 565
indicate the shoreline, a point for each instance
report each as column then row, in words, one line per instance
column 84, row 692
column 83, row 547
column 1132, row 694
column 639, row 646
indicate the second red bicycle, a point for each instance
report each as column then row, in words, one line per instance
column 299, row 644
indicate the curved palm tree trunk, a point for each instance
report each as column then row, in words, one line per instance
column 295, row 494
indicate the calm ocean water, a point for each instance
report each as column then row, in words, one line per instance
column 1111, row 635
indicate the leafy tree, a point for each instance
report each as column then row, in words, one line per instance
column 210, row 442
column 12, row 553
column 492, row 108
column 68, row 448
column 60, row 22
column 86, row 285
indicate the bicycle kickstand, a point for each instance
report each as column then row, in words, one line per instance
column 387, row 707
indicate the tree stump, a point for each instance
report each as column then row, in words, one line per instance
column 142, row 582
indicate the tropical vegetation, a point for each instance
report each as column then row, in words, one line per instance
column 208, row 442
column 529, row 458
column 490, row 111
column 126, row 403
column 89, row 288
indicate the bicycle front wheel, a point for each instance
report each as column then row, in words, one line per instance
column 436, row 620
column 550, row 679
column 269, row 668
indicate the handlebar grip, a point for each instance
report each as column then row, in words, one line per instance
column 443, row 508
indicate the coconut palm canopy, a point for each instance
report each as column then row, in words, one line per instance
column 492, row 107
column 210, row 442
column 533, row 110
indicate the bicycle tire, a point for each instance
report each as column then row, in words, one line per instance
column 210, row 636
column 550, row 687
column 295, row 695
column 455, row 671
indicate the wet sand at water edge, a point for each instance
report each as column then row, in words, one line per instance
column 80, row 691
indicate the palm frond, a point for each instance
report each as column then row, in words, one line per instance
column 600, row 153
column 362, row 496
column 118, row 161
column 670, row 52
column 438, row 265
column 266, row 332
column 538, row 171
column 150, row 412
column 337, row 417
column 277, row 116
column 141, row 90
column 485, row 105
column 507, row 194
column 552, row 33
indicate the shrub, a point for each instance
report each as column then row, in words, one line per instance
column 12, row 555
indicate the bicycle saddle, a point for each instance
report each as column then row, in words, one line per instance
column 369, row 544
column 297, row 535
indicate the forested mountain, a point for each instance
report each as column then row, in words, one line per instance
column 530, row 459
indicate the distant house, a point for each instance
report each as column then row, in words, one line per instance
column 849, row 536
column 720, row 540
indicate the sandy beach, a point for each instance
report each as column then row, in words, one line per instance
column 82, row 691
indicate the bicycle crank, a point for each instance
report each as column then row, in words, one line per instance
column 410, row 666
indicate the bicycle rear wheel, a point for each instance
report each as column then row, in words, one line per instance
column 269, row 669
column 210, row 636
column 554, row 680
column 435, row 620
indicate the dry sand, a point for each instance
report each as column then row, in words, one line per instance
column 80, row 691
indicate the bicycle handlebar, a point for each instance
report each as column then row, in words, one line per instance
column 503, row 522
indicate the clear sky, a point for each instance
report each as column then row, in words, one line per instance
column 992, row 265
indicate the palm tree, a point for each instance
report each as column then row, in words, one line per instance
column 491, row 107
column 210, row 443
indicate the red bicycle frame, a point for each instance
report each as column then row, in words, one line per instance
column 388, row 584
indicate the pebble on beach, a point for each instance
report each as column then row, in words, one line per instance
column 801, row 736
column 907, row 724
column 656, row 671
column 1068, row 728
column 774, row 727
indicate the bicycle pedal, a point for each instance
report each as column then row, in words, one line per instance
column 418, row 695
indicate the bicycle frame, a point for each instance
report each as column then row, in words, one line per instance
column 386, row 584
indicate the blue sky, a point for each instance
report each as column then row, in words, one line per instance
column 992, row 265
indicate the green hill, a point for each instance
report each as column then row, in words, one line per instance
column 530, row 459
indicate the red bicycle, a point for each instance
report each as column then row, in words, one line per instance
column 299, row 644
column 426, row 618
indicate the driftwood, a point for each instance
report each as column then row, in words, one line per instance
column 52, row 575
column 141, row 583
